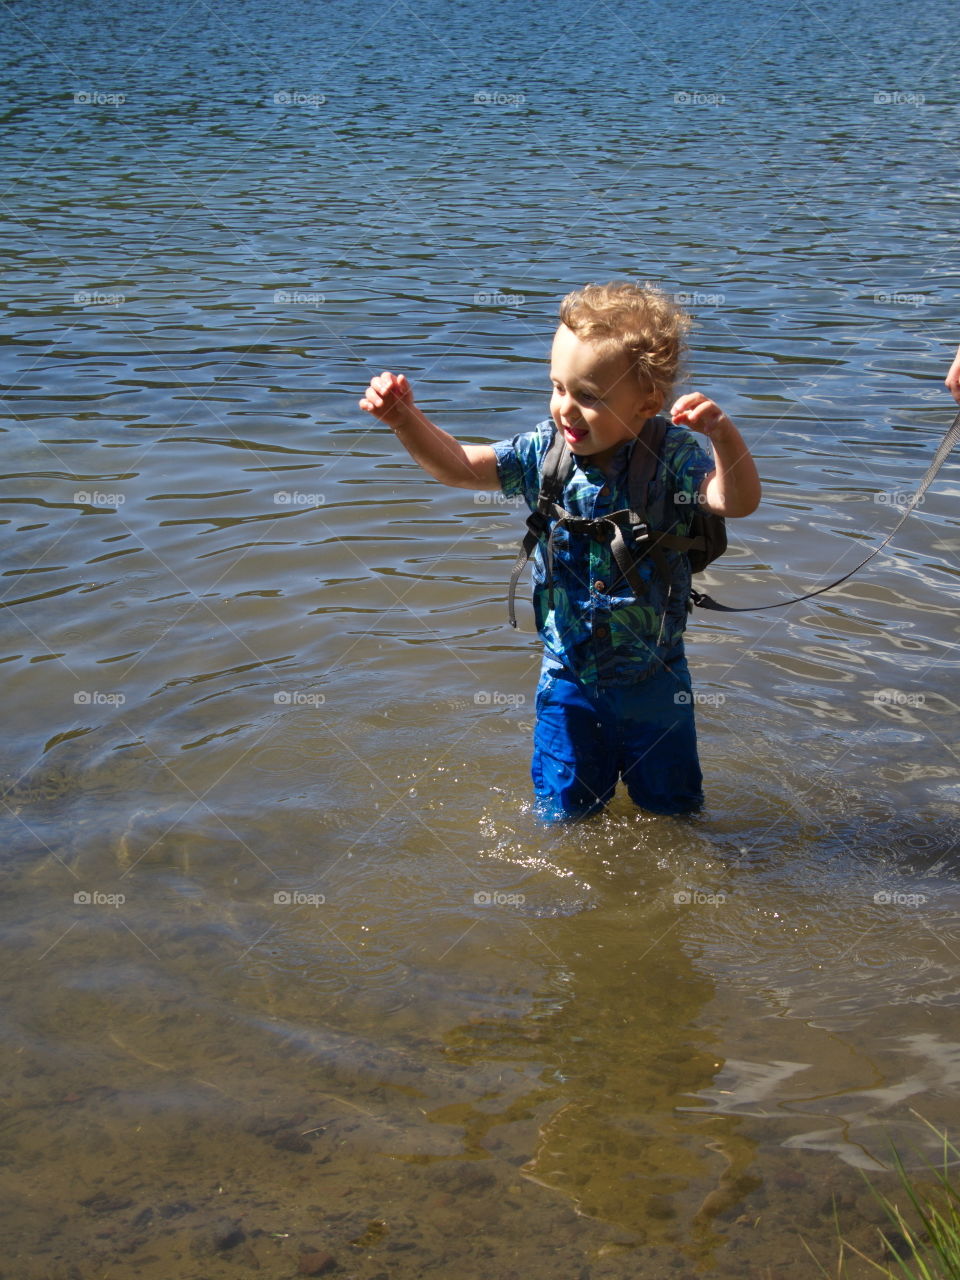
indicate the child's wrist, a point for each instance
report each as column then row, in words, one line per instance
column 725, row 435
column 405, row 415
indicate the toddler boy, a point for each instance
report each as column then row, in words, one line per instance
column 614, row 698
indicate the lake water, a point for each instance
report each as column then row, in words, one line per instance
column 293, row 969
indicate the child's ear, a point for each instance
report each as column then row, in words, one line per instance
column 652, row 406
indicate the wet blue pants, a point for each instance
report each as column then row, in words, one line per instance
column 585, row 740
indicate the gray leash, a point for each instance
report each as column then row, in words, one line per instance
column 948, row 442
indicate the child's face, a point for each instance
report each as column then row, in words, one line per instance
column 596, row 402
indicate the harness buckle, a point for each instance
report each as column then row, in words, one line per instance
column 578, row 525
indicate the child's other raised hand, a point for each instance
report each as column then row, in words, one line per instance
column 700, row 414
column 389, row 397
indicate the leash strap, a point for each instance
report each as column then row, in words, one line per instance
column 948, row 442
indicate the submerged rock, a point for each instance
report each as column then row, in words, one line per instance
column 316, row 1263
column 220, row 1238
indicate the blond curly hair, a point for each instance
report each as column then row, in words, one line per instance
column 641, row 321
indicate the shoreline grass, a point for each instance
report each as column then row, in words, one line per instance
column 922, row 1241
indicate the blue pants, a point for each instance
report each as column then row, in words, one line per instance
column 585, row 740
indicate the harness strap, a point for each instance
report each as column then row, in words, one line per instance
column 650, row 542
column 622, row 558
column 550, row 516
column 939, row 458
column 602, row 529
column 556, row 463
column 530, row 540
column 557, row 459
column 644, row 461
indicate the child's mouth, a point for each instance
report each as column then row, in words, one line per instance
column 575, row 434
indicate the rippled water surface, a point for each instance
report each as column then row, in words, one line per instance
column 294, row 971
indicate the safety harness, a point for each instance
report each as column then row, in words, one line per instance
column 628, row 531
column 708, row 533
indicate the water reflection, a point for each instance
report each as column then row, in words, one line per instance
column 622, row 1051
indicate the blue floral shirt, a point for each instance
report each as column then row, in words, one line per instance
column 598, row 630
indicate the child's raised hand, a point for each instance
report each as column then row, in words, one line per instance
column 700, row 414
column 388, row 398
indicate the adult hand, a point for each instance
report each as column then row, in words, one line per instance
column 952, row 380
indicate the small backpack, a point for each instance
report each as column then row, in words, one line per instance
column 706, row 541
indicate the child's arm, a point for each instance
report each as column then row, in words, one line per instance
column 733, row 489
column 389, row 397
